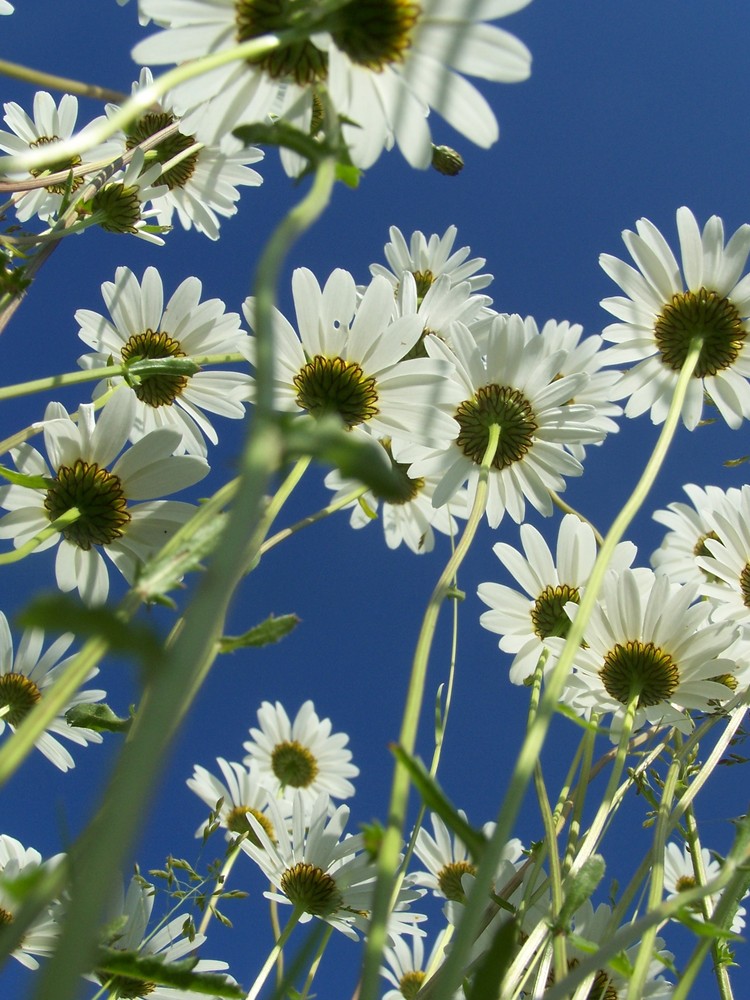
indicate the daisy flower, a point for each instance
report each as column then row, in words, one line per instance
column 448, row 861
column 23, row 682
column 677, row 556
column 241, row 794
column 647, row 639
column 679, row 875
column 429, row 258
column 303, row 755
column 316, row 871
column 662, row 312
column 142, row 328
column 118, row 205
column 131, row 915
column 201, row 180
column 80, row 455
column 383, row 66
column 526, row 621
column 726, row 562
column 442, row 306
column 347, row 361
column 518, row 389
column 413, row 520
column 19, row 863
column 405, row 967
column 51, row 122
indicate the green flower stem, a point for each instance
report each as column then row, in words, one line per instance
column 138, row 368
column 108, row 838
column 734, row 880
column 699, row 870
column 579, row 798
column 324, row 512
column 316, row 961
column 54, row 528
column 41, row 79
column 388, row 857
column 567, row 509
column 537, row 731
column 273, row 954
column 643, row 960
column 555, row 874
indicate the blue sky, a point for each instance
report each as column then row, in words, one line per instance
column 632, row 109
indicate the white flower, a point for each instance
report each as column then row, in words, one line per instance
column 79, row 455
column 428, row 259
column 679, row 875
column 405, row 966
column 141, row 328
column 50, row 123
column 241, row 793
column 346, row 361
column 23, row 682
column 391, row 62
column 647, row 639
column 312, row 868
column 202, row 183
column 440, row 307
column 382, row 82
column 302, row 756
column 661, row 313
column 21, row 863
column 525, row 622
column 169, row 944
column 411, row 520
column 118, row 205
column 677, row 556
column 517, row 389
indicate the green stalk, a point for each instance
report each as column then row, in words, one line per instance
column 54, row 528
column 41, row 79
column 536, row 734
column 388, row 857
column 274, row 954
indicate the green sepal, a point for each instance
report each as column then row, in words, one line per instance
column 100, row 718
column 348, row 174
column 177, row 975
column 31, row 482
column 58, row 613
column 435, row 799
column 271, row 630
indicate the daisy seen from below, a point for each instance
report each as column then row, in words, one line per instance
column 516, row 388
column 648, row 644
column 440, row 308
column 201, row 179
column 685, row 541
column 413, row 520
column 405, row 968
column 240, row 793
column 168, row 943
column 665, row 308
column 726, row 561
column 346, row 361
column 118, row 206
column 429, row 258
column 526, row 620
column 18, row 863
column 142, row 328
column 51, row 122
column 302, row 757
column 81, row 477
column 679, row 875
column 23, row 681
column 314, row 869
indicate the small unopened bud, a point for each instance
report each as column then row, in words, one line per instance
column 447, row 161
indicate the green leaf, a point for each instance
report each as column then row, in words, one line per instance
column 494, row 964
column 178, row 975
column 434, row 798
column 19, row 479
column 282, row 134
column 580, row 887
column 348, row 174
column 100, row 718
column 165, row 571
column 355, row 456
column 58, row 613
column 270, row 631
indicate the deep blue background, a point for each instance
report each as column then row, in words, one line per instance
column 632, row 109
